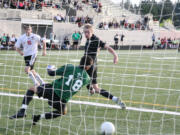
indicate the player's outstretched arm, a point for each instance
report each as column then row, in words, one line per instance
column 111, row 50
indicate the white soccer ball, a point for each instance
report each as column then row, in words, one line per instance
column 51, row 67
column 107, row 128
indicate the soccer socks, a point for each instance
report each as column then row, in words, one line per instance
column 106, row 94
column 27, row 99
column 51, row 115
column 115, row 99
column 39, row 79
column 31, row 75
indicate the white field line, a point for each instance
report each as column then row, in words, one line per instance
column 107, row 84
column 165, row 58
column 104, row 105
column 140, row 87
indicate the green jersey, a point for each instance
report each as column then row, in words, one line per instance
column 73, row 79
column 76, row 36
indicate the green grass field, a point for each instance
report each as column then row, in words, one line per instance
column 143, row 79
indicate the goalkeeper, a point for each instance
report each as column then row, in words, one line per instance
column 59, row 91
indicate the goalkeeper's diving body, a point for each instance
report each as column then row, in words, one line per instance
column 60, row 91
column 92, row 47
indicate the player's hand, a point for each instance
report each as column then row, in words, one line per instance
column 115, row 59
column 21, row 54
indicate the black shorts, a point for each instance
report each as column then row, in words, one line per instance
column 46, row 91
column 75, row 43
column 30, row 61
column 92, row 72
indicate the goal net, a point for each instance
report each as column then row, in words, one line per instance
column 146, row 77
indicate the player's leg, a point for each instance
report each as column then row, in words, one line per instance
column 26, row 100
column 108, row 95
column 29, row 65
column 36, row 75
column 31, row 75
column 57, row 104
column 101, row 91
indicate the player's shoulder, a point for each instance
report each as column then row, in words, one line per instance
column 35, row 35
column 22, row 36
column 68, row 66
column 94, row 37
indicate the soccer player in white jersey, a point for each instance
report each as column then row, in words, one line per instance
column 29, row 41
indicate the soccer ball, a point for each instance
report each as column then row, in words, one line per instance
column 51, row 67
column 107, row 128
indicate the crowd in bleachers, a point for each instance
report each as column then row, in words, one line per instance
column 75, row 19
column 164, row 43
column 28, row 4
column 7, row 41
column 114, row 24
column 81, row 20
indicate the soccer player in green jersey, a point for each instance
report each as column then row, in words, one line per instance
column 60, row 91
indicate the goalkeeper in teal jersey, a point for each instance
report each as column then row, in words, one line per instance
column 60, row 91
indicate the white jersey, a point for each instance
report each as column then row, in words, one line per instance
column 29, row 43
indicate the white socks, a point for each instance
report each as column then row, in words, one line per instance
column 24, row 106
column 31, row 75
column 42, row 116
column 36, row 79
column 39, row 79
column 115, row 98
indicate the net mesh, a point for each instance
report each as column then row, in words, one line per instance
column 146, row 77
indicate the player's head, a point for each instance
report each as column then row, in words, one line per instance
column 86, row 62
column 88, row 31
column 28, row 30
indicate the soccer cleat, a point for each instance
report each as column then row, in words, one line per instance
column 35, row 118
column 21, row 114
column 121, row 104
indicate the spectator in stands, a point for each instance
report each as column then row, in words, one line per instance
column 59, row 18
column 12, row 42
column 116, row 40
column 122, row 38
column 21, row 5
column 76, row 38
column 158, row 43
column 7, row 40
column 66, row 43
column 163, row 42
column 153, row 40
column 101, row 25
column 42, row 41
column 106, row 27
column 3, row 40
column 69, row 1
column 13, row 4
column 52, row 38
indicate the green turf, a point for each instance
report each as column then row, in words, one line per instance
column 143, row 79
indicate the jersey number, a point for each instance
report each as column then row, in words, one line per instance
column 77, row 85
column 29, row 42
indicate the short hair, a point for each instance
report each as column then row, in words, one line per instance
column 88, row 26
column 28, row 27
column 86, row 61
